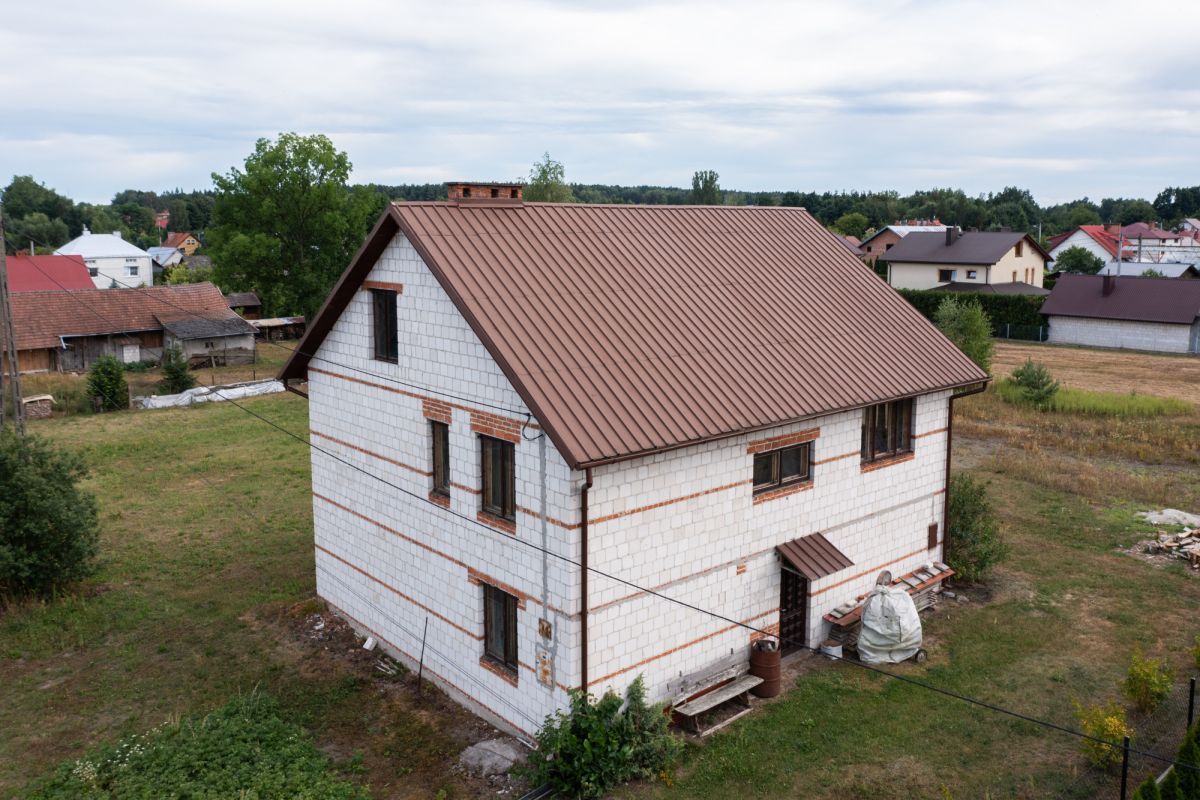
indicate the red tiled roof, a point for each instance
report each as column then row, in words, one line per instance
column 1102, row 237
column 635, row 329
column 176, row 239
column 47, row 273
column 1170, row 300
column 40, row 318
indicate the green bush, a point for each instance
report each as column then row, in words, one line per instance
column 1107, row 723
column 242, row 750
column 1002, row 309
column 177, row 377
column 594, row 747
column 1035, row 382
column 106, row 382
column 1170, row 788
column 1148, row 790
column 1077, row 259
column 975, row 543
column 1189, row 779
column 48, row 525
column 1148, row 681
column 965, row 323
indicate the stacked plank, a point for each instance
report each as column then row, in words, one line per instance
column 1184, row 545
column 922, row 584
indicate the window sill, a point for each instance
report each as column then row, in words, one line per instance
column 499, row 523
column 440, row 498
column 880, row 463
column 782, row 491
column 395, row 360
column 507, row 674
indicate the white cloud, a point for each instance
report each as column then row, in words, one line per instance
column 774, row 95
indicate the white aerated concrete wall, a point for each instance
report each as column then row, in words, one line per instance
column 716, row 549
column 1156, row 336
column 390, row 558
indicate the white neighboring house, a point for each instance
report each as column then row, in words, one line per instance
column 1132, row 313
column 502, row 391
column 111, row 260
column 1098, row 240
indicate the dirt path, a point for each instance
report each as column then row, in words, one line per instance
column 1107, row 370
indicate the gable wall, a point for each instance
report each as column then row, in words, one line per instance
column 389, row 560
column 1081, row 239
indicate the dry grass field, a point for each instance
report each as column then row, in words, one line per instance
column 1107, row 370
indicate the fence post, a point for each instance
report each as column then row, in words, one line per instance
column 1008, row 330
column 1124, row 768
column 1191, row 703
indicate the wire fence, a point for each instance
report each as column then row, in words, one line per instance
column 1025, row 333
column 1160, row 732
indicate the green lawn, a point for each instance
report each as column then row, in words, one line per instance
column 207, row 562
column 206, row 547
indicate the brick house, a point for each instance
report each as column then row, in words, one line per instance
column 719, row 403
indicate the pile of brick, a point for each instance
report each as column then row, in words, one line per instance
column 1185, row 545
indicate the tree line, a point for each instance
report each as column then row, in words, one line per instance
column 287, row 221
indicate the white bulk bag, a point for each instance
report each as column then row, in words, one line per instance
column 891, row 627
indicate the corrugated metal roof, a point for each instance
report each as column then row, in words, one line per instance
column 1014, row 287
column 633, row 329
column 47, row 273
column 1170, row 300
column 969, row 247
column 813, row 556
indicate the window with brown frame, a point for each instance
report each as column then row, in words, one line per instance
column 887, row 430
column 383, row 325
column 783, row 467
column 498, row 478
column 500, row 628
column 1020, row 248
column 441, row 457
column 946, row 275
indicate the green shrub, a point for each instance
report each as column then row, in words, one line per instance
column 1035, row 382
column 1002, row 309
column 177, row 377
column 1077, row 259
column 1189, row 779
column 137, row 366
column 48, row 525
column 242, row 750
column 106, row 382
column 1148, row 681
column 1103, row 722
column 1170, row 788
column 975, row 543
column 966, row 324
column 1148, row 790
column 594, row 747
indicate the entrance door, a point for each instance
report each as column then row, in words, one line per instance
column 793, row 611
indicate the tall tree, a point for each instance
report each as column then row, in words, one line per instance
column 547, row 182
column 1076, row 259
column 287, row 224
column 852, row 224
column 706, row 191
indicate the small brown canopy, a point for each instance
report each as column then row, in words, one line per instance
column 813, row 556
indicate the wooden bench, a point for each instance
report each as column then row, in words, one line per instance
column 732, row 684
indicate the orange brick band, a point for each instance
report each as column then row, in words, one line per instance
column 477, row 578
column 870, row 571
column 398, row 288
column 786, row 440
column 496, row 426
column 871, row 466
column 438, row 410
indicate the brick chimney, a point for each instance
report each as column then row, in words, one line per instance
column 951, row 235
column 485, row 193
column 1110, row 283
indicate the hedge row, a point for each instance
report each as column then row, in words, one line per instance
column 1002, row 309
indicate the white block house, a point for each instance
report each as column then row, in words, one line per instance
column 1126, row 312
column 501, row 392
column 112, row 262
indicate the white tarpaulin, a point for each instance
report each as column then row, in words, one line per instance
column 210, row 394
column 891, row 627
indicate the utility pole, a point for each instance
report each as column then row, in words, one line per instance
column 10, row 343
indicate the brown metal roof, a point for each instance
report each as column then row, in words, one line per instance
column 1171, row 300
column 634, row 329
column 969, row 247
column 813, row 556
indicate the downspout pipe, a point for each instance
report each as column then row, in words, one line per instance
column 583, row 580
column 949, row 442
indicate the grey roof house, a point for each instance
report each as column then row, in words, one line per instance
column 1158, row 314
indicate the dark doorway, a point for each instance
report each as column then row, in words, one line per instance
column 793, row 611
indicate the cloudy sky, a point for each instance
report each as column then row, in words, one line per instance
column 1065, row 98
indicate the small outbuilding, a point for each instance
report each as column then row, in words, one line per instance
column 209, row 338
column 1135, row 313
column 246, row 304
